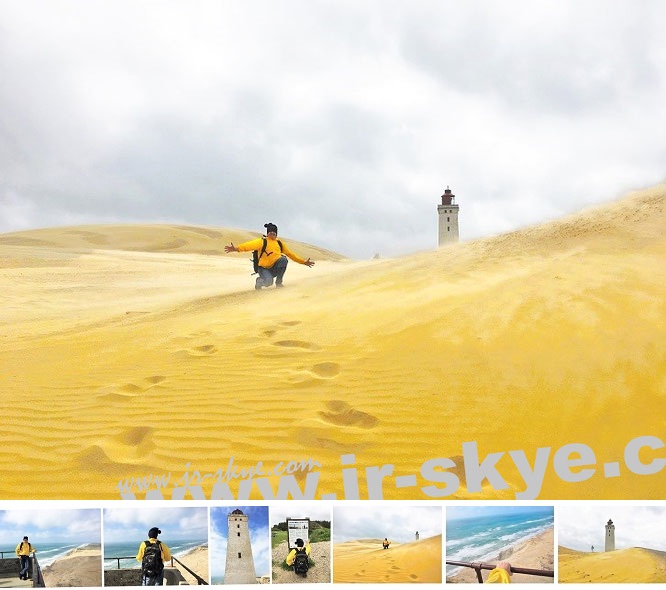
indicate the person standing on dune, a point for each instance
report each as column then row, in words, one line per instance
column 271, row 259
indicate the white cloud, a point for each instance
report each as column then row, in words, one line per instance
column 399, row 524
column 581, row 527
column 342, row 122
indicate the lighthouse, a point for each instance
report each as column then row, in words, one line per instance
column 239, row 567
column 610, row 536
column 448, row 219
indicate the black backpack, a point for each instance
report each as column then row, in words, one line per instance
column 152, row 563
column 301, row 563
column 256, row 256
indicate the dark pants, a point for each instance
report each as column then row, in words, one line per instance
column 25, row 565
column 276, row 271
column 154, row 581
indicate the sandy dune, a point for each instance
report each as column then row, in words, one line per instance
column 135, row 350
column 535, row 553
column 80, row 567
column 364, row 560
column 624, row 565
column 197, row 561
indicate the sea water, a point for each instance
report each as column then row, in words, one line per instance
column 481, row 538
column 128, row 550
column 47, row 553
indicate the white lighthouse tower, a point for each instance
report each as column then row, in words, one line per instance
column 448, row 219
column 610, row 536
column 240, row 563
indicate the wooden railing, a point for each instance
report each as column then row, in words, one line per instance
column 478, row 566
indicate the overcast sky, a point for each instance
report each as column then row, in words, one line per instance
column 397, row 523
column 342, row 121
column 125, row 524
column 50, row 526
column 580, row 527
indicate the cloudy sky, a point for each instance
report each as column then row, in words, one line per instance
column 122, row 524
column 580, row 527
column 259, row 538
column 341, row 121
column 50, row 526
column 397, row 523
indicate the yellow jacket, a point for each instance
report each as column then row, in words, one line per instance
column 24, row 548
column 272, row 252
column 166, row 554
column 292, row 554
column 498, row 576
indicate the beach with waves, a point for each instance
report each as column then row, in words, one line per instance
column 523, row 537
column 144, row 350
column 81, row 566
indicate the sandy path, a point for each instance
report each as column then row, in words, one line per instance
column 365, row 561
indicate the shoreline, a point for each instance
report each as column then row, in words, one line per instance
column 536, row 552
column 197, row 560
column 81, row 566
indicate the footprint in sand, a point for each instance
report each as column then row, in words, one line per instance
column 297, row 344
column 326, row 370
column 314, row 375
column 130, row 390
column 135, row 442
column 342, row 414
column 413, row 576
column 268, row 332
column 203, row 350
column 395, row 567
column 343, row 440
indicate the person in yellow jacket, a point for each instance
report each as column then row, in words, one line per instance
column 501, row 574
column 23, row 551
column 272, row 259
column 299, row 547
column 156, row 554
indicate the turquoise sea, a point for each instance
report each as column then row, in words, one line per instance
column 47, row 553
column 481, row 538
column 129, row 550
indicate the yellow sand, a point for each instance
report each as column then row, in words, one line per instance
column 625, row 565
column 535, row 553
column 135, row 350
column 364, row 560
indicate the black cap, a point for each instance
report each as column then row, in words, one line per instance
column 26, row 537
column 270, row 227
column 299, row 542
column 152, row 533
